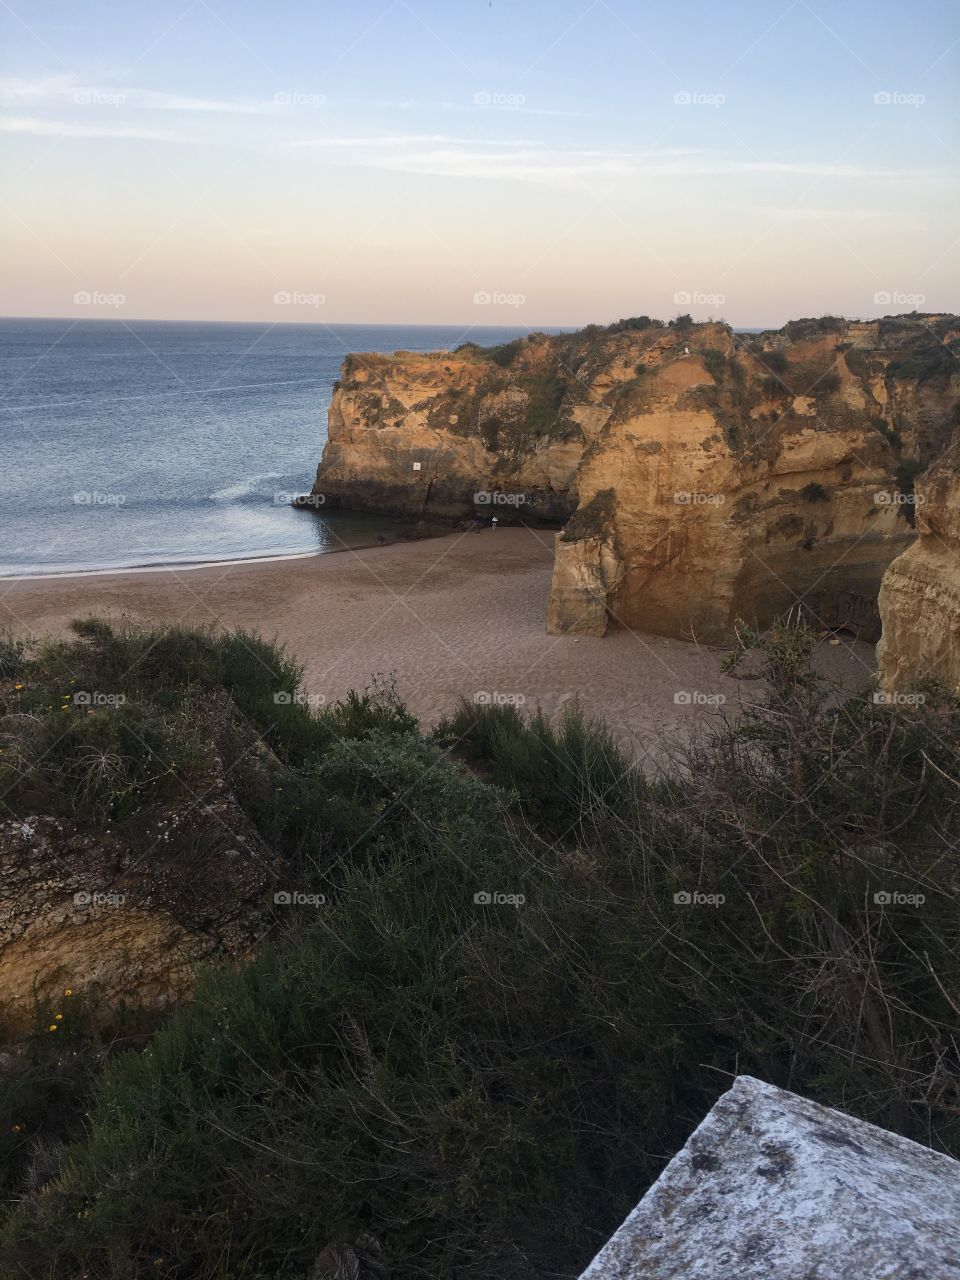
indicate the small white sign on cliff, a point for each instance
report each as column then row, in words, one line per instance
column 417, row 466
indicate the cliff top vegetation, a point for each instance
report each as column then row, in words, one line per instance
column 534, row 969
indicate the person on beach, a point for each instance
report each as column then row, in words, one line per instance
column 493, row 523
column 477, row 522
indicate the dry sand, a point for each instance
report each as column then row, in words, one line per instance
column 454, row 616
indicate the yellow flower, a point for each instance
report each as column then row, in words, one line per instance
column 58, row 1017
column 18, row 686
column 53, row 1027
column 17, row 1128
column 69, row 991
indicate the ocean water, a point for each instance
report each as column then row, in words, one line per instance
column 148, row 443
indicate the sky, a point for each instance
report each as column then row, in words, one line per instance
column 476, row 162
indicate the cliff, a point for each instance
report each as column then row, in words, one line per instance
column 920, row 593
column 423, row 435
column 704, row 476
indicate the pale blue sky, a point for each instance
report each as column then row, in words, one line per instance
column 572, row 161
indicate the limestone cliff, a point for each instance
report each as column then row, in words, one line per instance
column 422, row 435
column 920, row 592
column 704, row 475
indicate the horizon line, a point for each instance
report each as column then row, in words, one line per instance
column 572, row 326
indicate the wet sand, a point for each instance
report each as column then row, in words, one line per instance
column 450, row 617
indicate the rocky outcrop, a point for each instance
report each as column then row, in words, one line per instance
column 704, row 476
column 920, row 592
column 124, row 924
column 771, row 1184
column 449, row 433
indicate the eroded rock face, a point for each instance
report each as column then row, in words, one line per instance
column 422, row 435
column 920, row 592
column 127, row 925
column 704, row 476
column 733, row 497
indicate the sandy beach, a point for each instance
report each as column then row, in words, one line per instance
column 450, row 617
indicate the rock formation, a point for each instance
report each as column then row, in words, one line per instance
column 771, row 1184
column 421, row 435
column 920, row 592
column 87, row 911
column 704, row 476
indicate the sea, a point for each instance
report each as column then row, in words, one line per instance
column 145, row 443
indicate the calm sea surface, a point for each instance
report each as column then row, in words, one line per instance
column 147, row 443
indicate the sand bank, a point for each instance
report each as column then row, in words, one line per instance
column 455, row 616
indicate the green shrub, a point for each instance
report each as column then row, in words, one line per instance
column 776, row 361
column 506, row 354
column 544, row 399
column 473, row 1085
column 926, row 359
column 566, row 776
column 716, row 363
column 11, row 655
column 632, row 324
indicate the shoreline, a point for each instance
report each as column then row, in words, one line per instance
column 457, row 615
column 167, row 566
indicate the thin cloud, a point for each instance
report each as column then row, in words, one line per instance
column 408, row 140
column 68, row 129
column 799, row 213
column 523, row 166
column 67, row 89
column 562, row 166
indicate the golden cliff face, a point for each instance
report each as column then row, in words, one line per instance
column 703, row 476
column 422, row 435
column 920, row 592
column 88, row 911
